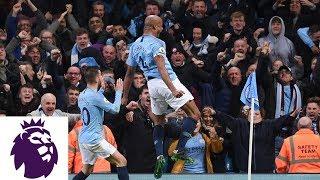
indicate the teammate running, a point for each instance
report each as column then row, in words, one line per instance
column 149, row 53
column 92, row 104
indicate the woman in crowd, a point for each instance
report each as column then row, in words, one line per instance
column 200, row 147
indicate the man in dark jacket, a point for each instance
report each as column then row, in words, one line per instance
column 6, row 100
column 198, row 15
column 9, row 73
column 152, row 7
column 27, row 101
column 312, row 111
column 311, row 84
column 238, row 30
column 71, row 105
column 191, row 76
column 115, row 121
column 265, row 132
column 15, row 25
column 281, row 91
column 97, row 33
column 239, row 56
column 138, row 138
column 228, row 90
column 187, row 72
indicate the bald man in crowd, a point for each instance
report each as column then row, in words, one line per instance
column 48, row 108
column 109, row 55
column 300, row 153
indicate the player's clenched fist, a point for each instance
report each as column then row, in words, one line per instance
column 119, row 85
column 177, row 93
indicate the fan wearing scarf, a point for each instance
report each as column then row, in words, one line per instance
column 288, row 96
column 281, row 91
column 82, row 42
column 282, row 94
column 287, row 99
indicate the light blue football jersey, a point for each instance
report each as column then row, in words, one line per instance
column 142, row 53
column 92, row 104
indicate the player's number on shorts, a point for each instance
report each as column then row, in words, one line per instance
column 143, row 63
column 86, row 121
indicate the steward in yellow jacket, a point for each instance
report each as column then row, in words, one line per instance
column 300, row 153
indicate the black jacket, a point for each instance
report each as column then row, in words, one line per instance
column 227, row 96
column 23, row 110
column 13, row 77
column 310, row 86
column 189, row 74
column 264, row 134
column 138, row 143
column 268, row 81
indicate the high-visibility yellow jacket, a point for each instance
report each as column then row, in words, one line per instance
column 74, row 155
column 300, row 153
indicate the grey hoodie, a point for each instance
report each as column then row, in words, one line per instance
column 281, row 46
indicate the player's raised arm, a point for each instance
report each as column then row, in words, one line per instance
column 131, row 64
column 112, row 108
column 127, row 84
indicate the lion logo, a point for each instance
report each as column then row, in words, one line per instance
column 34, row 148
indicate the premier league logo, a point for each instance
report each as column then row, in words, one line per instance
column 33, row 148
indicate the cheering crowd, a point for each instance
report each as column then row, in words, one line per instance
column 213, row 46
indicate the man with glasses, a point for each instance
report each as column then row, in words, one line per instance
column 47, row 36
column 73, row 77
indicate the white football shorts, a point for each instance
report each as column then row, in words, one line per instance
column 161, row 96
column 90, row 152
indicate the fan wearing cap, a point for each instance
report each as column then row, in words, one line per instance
column 282, row 93
column 288, row 97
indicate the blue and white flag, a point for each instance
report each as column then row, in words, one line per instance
column 249, row 92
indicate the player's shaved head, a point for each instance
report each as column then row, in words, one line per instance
column 304, row 122
column 152, row 21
